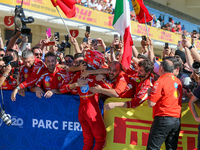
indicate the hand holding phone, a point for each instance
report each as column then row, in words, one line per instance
column 56, row 34
column 48, row 32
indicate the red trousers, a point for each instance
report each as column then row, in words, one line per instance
column 92, row 125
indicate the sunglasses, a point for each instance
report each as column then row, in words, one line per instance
column 36, row 54
column 1, row 55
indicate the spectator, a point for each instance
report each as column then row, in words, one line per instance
column 165, row 98
column 69, row 60
column 37, row 52
column 7, row 82
column 2, row 52
column 195, row 100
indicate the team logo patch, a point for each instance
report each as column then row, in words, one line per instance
column 25, row 70
column 85, row 89
column 26, row 76
column 176, row 94
column 47, row 84
column 59, row 78
column 47, row 78
column 4, row 83
column 176, row 85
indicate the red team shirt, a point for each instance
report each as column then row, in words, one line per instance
column 168, row 98
column 9, row 83
column 141, row 91
column 28, row 76
column 50, row 81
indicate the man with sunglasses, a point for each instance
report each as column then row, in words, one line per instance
column 37, row 52
column 69, row 59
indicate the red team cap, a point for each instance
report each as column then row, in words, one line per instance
column 94, row 59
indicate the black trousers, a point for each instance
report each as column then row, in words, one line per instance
column 164, row 129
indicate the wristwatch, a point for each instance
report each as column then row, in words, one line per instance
column 191, row 47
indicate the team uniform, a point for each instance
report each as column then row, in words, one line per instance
column 141, row 91
column 89, row 115
column 123, row 84
column 10, row 83
column 49, row 81
column 64, row 88
column 167, row 94
column 28, row 76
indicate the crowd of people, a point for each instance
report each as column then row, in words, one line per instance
column 91, row 74
column 158, row 22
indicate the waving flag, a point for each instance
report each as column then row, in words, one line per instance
column 122, row 24
column 140, row 9
column 67, row 6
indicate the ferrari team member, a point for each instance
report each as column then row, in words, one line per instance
column 144, row 81
column 118, row 84
column 51, row 79
column 89, row 113
column 166, row 100
column 29, row 72
column 78, row 62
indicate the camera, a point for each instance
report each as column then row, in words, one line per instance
column 20, row 14
column 8, row 59
column 166, row 45
column 63, row 45
column 5, row 117
column 192, row 86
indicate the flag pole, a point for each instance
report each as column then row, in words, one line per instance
column 146, row 29
column 63, row 21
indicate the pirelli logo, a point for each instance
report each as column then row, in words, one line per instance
column 136, row 132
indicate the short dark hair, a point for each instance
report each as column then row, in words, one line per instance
column 147, row 65
column 167, row 67
column 77, row 55
column 36, row 47
column 69, row 56
column 142, row 56
column 50, row 54
column 115, row 63
column 177, row 63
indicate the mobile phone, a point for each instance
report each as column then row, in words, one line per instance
column 50, row 43
column 57, row 35
column 88, row 29
column 144, row 38
column 67, row 38
column 94, row 42
column 107, row 50
column 115, row 36
column 48, row 32
column 85, row 40
column 120, row 38
column 166, row 45
column 183, row 36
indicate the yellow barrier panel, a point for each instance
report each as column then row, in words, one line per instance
column 128, row 129
column 98, row 18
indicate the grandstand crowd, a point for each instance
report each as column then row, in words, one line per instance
column 91, row 74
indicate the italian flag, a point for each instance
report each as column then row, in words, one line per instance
column 122, row 24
